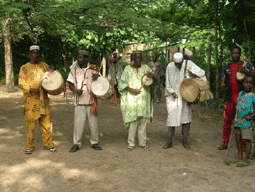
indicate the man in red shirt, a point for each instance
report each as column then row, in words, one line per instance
column 233, row 87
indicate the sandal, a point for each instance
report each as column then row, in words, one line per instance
column 167, row 145
column 131, row 147
column 28, row 151
column 96, row 147
column 53, row 149
column 145, row 147
column 186, row 145
column 243, row 164
column 74, row 148
column 222, row 147
column 236, row 161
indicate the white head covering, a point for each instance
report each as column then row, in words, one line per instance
column 34, row 47
column 178, row 57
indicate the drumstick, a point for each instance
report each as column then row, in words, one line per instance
column 143, row 84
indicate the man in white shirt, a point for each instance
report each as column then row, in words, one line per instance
column 179, row 112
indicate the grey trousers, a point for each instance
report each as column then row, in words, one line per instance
column 185, row 130
column 140, row 125
column 81, row 114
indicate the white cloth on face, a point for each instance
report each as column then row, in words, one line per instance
column 178, row 110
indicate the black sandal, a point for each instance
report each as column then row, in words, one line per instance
column 96, row 147
column 222, row 147
column 74, row 148
column 186, row 145
column 167, row 145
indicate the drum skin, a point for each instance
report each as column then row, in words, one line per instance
column 240, row 76
column 101, row 88
column 53, row 83
column 189, row 90
column 147, row 81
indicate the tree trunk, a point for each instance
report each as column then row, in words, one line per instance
column 221, row 46
column 217, row 87
column 248, row 38
column 9, row 75
column 209, row 62
column 194, row 55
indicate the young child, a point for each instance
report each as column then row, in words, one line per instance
column 244, row 120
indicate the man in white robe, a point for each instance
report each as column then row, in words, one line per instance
column 179, row 112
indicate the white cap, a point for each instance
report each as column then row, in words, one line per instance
column 34, row 47
column 178, row 57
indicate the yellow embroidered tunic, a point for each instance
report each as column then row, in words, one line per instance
column 30, row 76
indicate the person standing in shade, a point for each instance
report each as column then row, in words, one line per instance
column 158, row 72
column 36, row 101
column 80, row 78
column 232, row 87
column 115, row 70
column 135, row 100
column 244, row 120
column 179, row 112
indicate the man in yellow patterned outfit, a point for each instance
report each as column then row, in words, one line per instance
column 36, row 101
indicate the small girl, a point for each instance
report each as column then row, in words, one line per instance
column 244, row 120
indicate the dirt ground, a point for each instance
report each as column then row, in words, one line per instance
column 116, row 168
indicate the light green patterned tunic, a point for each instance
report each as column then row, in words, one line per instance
column 134, row 106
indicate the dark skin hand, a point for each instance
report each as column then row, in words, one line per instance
column 175, row 95
column 73, row 89
column 51, row 68
column 245, row 71
column 79, row 91
column 192, row 74
column 249, row 117
column 135, row 91
column 95, row 77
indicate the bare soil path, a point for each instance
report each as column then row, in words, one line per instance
column 115, row 168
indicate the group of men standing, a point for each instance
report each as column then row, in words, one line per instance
column 136, row 105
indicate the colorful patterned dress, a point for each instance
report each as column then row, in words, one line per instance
column 36, row 106
column 245, row 106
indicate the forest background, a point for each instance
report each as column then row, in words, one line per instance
column 62, row 27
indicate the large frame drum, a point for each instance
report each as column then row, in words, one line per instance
column 53, row 83
column 102, row 88
column 189, row 90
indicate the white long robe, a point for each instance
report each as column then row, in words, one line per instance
column 178, row 110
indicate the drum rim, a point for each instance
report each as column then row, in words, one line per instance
column 148, row 78
column 61, row 79
column 197, row 88
column 96, row 94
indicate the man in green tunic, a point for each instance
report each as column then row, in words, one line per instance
column 135, row 100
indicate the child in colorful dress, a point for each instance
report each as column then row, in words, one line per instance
column 244, row 120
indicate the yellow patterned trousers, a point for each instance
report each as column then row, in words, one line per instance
column 45, row 126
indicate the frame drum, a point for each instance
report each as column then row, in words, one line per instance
column 147, row 81
column 53, row 82
column 189, row 90
column 102, row 88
